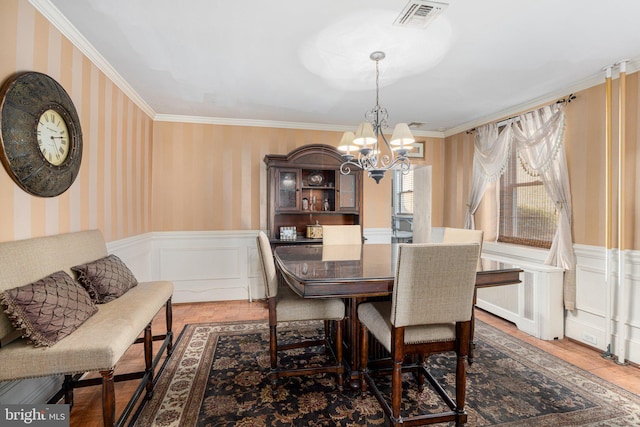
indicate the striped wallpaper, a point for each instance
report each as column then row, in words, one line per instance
column 138, row 175
column 213, row 177
column 113, row 189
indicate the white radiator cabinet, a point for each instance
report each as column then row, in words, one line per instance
column 535, row 306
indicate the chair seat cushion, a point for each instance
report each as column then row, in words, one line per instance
column 376, row 317
column 291, row 306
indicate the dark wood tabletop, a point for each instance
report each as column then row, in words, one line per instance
column 316, row 271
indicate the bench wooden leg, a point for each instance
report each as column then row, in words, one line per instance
column 148, row 359
column 67, row 388
column 169, row 313
column 108, row 399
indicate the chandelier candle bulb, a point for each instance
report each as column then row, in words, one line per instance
column 364, row 135
column 346, row 143
column 402, row 136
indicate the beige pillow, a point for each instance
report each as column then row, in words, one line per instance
column 49, row 309
column 106, row 278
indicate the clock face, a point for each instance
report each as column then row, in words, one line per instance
column 40, row 135
column 53, row 137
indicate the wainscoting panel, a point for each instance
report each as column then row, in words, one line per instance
column 198, row 263
column 206, row 266
column 587, row 323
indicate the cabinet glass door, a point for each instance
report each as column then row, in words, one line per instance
column 287, row 190
column 348, row 199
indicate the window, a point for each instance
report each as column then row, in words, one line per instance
column 528, row 216
column 402, row 193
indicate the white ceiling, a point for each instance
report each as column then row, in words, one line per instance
column 272, row 62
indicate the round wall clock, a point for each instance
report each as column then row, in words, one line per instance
column 40, row 134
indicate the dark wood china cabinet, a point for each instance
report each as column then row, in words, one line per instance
column 305, row 187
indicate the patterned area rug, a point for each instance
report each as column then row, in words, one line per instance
column 217, row 377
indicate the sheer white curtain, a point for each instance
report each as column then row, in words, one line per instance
column 491, row 152
column 539, row 135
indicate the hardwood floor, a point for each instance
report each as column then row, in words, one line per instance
column 87, row 411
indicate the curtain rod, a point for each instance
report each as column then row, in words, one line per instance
column 568, row 99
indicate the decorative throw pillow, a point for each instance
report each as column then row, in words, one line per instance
column 49, row 309
column 106, row 278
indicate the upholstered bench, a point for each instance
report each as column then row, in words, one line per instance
column 100, row 340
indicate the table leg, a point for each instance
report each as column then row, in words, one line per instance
column 354, row 343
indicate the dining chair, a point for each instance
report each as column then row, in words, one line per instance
column 463, row 235
column 286, row 306
column 341, row 235
column 429, row 312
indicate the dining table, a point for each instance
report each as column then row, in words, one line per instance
column 357, row 273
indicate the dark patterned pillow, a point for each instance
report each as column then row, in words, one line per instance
column 48, row 310
column 106, row 278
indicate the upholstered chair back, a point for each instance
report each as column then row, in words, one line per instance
column 462, row 235
column 268, row 266
column 341, row 235
column 434, row 283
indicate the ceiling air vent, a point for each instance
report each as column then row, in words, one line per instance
column 419, row 13
column 415, row 125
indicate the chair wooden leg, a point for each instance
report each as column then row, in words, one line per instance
column 397, row 356
column 273, row 346
column 461, row 381
column 463, row 333
column 339, row 327
column 364, row 357
column 421, row 360
column 273, row 354
column 327, row 330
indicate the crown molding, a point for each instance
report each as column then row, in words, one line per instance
column 270, row 124
column 632, row 67
column 58, row 20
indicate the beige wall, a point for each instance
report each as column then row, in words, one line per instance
column 113, row 189
column 212, row 177
column 585, row 149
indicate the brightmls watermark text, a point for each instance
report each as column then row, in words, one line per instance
column 34, row 415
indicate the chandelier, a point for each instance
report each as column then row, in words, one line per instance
column 366, row 146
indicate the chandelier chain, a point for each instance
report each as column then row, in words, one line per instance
column 377, row 85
